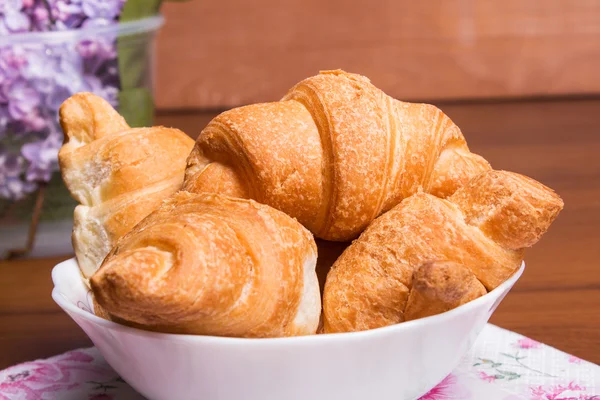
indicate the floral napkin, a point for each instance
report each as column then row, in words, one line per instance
column 502, row 365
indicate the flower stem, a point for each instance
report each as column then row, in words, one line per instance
column 520, row 364
column 35, row 219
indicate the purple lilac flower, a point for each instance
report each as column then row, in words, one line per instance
column 16, row 22
column 68, row 15
column 94, row 84
column 11, row 185
column 68, row 10
column 96, row 54
column 101, row 9
column 40, row 17
column 22, row 98
column 14, row 19
column 57, row 96
column 10, row 5
column 87, row 48
column 36, row 78
column 42, row 157
column 96, row 23
column 34, row 122
column 12, row 60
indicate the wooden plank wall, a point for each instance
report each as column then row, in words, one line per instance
column 218, row 54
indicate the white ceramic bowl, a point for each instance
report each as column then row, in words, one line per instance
column 397, row 362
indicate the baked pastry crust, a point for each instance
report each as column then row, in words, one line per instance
column 335, row 153
column 118, row 174
column 213, row 265
column 484, row 226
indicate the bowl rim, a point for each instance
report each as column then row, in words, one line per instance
column 416, row 324
column 119, row 29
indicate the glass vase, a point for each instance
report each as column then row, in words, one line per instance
column 38, row 71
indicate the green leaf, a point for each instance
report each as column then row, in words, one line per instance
column 476, row 364
column 499, row 376
column 138, row 9
column 508, row 373
column 136, row 106
column 508, row 355
column 496, row 365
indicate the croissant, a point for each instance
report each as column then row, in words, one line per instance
column 439, row 286
column 117, row 174
column 213, row 265
column 334, row 153
column 484, row 226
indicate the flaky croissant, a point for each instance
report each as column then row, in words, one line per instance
column 484, row 227
column 117, row 174
column 439, row 286
column 335, row 153
column 213, row 265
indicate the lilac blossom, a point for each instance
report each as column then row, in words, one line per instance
column 11, row 5
column 3, row 29
column 42, row 157
column 14, row 19
column 15, row 22
column 12, row 187
column 40, row 18
column 94, row 84
column 101, row 9
column 22, row 98
column 8, row 6
column 35, row 78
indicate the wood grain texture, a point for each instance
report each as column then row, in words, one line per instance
column 232, row 52
column 557, row 301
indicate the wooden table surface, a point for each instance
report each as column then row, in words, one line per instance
column 557, row 301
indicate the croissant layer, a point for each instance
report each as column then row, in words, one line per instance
column 370, row 283
column 213, row 265
column 334, row 153
column 118, row 174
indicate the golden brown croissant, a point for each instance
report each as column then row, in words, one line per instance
column 214, row 265
column 116, row 173
column 335, row 153
column 439, row 286
column 484, row 226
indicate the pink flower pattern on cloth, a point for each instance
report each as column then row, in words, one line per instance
column 79, row 374
column 502, row 365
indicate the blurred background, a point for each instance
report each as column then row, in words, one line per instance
column 519, row 77
column 231, row 52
